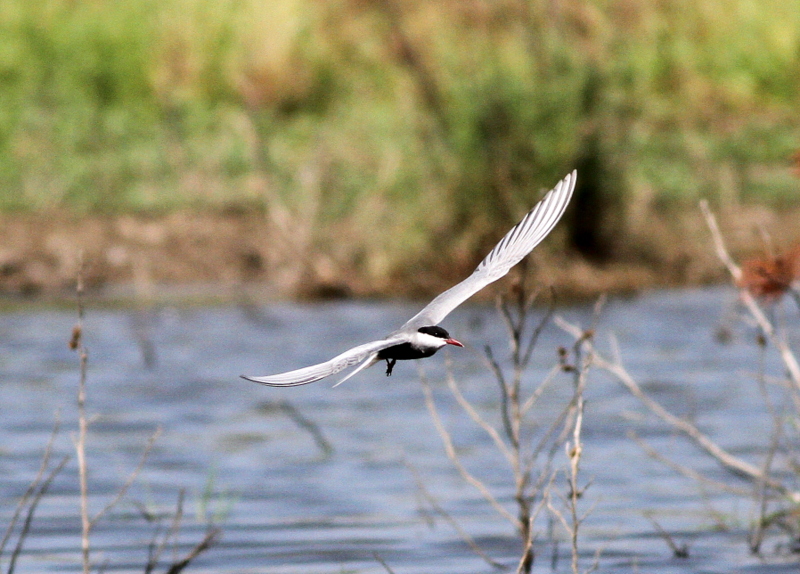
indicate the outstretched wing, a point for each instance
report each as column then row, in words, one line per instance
column 516, row 244
column 366, row 353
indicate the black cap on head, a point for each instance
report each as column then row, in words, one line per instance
column 435, row 331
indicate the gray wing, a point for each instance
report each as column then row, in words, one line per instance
column 516, row 244
column 366, row 352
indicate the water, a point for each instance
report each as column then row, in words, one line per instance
column 286, row 504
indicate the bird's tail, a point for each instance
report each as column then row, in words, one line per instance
column 368, row 362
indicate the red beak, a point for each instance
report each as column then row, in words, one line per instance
column 453, row 342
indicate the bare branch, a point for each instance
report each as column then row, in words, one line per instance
column 788, row 358
column 454, row 458
column 131, row 477
column 545, row 440
column 523, row 565
column 526, row 406
column 450, row 520
column 382, row 562
column 474, row 415
column 685, row 470
column 681, row 551
column 719, row 244
column 172, row 533
column 734, row 464
column 551, row 309
column 757, row 535
column 31, row 511
column 34, row 484
column 498, row 374
column 307, row 424
column 210, row 538
column 76, row 343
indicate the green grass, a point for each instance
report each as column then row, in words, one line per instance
column 151, row 105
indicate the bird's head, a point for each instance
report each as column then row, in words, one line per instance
column 440, row 336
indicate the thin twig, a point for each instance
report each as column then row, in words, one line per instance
column 719, row 244
column 681, row 551
column 307, row 424
column 382, row 562
column 88, row 522
column 575, row 449
column 208, row 540
column 788, row 358
column 450, row 450
column 31, row 511
column 551, row 309
column 80, row 445
column 732, row 463
column 685, row 470
column 474, row 415
column 177, row 520
column 34, row 483
column 421, row 488
column 155, row 551
column 574, row 452
column 131, row 478
column 523, row 565
column 757, row 536
column 539, row 390
column 524, row 562
column 559, row 422
column 584, row 358
column 498, row 375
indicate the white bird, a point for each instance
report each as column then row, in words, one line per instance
column 421, row 336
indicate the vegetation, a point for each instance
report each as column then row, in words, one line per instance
column 19, row 525
column 529, row 438
column 388, row 116
column 767, row 479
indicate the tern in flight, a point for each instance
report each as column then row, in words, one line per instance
column 421, row 336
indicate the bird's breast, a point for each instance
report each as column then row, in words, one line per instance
column 406, row 351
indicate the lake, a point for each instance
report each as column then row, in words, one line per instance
column 326, row 480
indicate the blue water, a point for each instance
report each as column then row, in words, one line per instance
column 288, row 500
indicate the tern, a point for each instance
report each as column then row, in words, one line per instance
column 421, row 336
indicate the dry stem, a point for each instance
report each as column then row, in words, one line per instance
column 421, row 488
column 453, row 455
column 512, row 440
column 33, row 485
column 77, row 343
column 87, row 521
column 788, row 358
column 31, row 511
column 584, row 357
column 732, row 463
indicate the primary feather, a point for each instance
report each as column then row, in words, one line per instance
column 515, row 245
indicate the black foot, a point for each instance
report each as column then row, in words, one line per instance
column 389, row 366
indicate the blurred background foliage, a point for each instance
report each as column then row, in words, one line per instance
column 402, row 122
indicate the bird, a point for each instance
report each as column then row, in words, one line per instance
column 421, row 336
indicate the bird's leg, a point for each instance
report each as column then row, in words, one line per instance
column 389, row 366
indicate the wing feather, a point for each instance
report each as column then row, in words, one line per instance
column 509, row 251
column 366, row 352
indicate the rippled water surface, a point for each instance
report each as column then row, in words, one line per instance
column 315, row 479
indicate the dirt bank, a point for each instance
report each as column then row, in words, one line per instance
column 227, row 251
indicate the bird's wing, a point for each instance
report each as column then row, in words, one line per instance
column 366, row 352
column 516, row 244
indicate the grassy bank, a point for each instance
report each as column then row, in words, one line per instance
column 381, row 119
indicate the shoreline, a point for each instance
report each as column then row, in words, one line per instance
column 235, row 254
